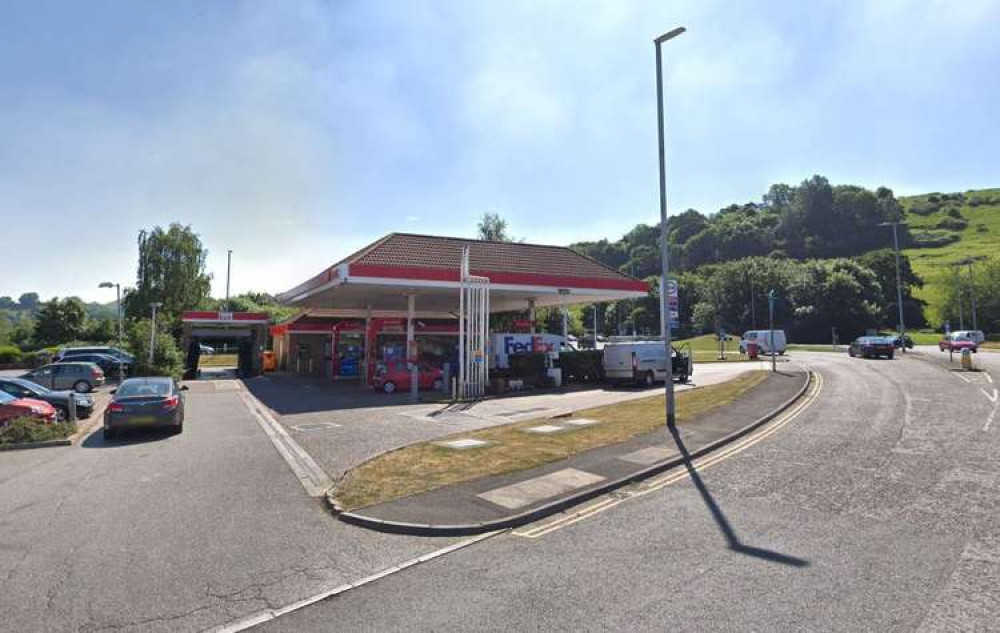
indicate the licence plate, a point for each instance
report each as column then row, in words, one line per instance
column 144, row 419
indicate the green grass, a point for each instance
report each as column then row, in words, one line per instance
column 218, row 360
column 425, row 466
column 979, row 239
column 23, row 430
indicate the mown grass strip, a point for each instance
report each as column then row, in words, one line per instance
column 426, row 466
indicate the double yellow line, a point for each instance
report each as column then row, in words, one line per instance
column 614, row 498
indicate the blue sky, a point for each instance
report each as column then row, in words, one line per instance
column 293, row 132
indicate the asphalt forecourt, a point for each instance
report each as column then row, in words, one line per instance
column 510, row 475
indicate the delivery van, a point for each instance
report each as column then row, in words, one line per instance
column 643, row 362
column 763, row 340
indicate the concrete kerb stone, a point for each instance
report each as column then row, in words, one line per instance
column 530, row 516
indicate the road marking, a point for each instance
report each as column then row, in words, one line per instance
column 273, row 614
column 991, row 397
column 995, row 399
column 313, row 478
column 615, row 497
column 989, row 378
column 955, row 373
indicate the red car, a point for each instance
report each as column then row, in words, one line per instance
column 11, row 408
column 394, row 377
column 956, row 343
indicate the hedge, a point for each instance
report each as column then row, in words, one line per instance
column 21, row 430
column 583, row 365
column 527, row 365
column 10, row 354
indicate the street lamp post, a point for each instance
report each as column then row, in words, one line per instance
column 770, row 324
column 121, row 335
column 972, row 296
column 229, row 263
column 152, row 332
column 665, row 264
column 901, row 326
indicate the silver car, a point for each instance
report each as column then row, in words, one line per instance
column 80, row 377
column 145, row 403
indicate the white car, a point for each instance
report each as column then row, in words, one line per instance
column 205, row 349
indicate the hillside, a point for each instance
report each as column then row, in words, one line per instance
column 955, row 227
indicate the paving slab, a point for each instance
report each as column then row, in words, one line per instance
column 494, row 498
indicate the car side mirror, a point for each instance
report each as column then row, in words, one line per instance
column 184, row 387
column 114, row 391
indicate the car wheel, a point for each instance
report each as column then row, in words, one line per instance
column 891, row 356
column 82, row 386
column 648, row 379
column 62, row 414
column 110, row 434
column 438, row 384
column 850, row 352
column 388, row 387
column 177, row 429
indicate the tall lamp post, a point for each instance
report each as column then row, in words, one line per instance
column 118, row 303
column 899, row 279
column 229, row 264
column 665, row 264
column 152, row 332
column 972, row 290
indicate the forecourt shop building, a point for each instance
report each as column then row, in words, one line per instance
column 425, row 300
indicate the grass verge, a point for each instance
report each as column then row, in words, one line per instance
column 218, row 360
column 426, row 466
column 21, row 430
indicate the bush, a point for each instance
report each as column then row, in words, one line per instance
column 952, row 224
column 21, row 430
column 923, row 209
column 38, row 358
column 527, row 365
column 929, row 238
column 10, row 354
column 993, row 337
column 167, row 358
column 584, row 365
column 954, row 212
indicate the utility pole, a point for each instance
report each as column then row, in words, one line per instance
column 958, row 292
column 229, row 262
column 972, row 296
column 770, row 321
column 121, row 331
column 753, row 311
column 901, row 324
column 152, row 332
column 664, row 254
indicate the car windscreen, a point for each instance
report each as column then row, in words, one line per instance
column 6, row 398
column 30, row 386
column 143, row 388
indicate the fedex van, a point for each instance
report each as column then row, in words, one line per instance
column 763, row 340
column 503, row 345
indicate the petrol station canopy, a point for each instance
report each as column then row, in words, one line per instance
column 380, row 276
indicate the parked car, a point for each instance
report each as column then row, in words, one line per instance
column 872, row 347
column 12, row 408
column 67, row 353
column 205, row 349
column 392, row 377
column 20, row 388
column 763, row 339
column 110, row 365
column 956, row 342
column 154, row 402
column 80, row 377
column 644, row 362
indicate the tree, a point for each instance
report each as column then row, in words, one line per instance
column 60, row 321
column 167, row 358
column 171, row 272
column 101, row 330
column 493, row 228
column 28, row 301
column 6, row 303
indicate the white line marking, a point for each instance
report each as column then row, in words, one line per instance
column 272, row 614
column 962, row 377
column 991, row 398
column 988, row 378
column 313, row 478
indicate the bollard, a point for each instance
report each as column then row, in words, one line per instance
column 414, row 381
column 966, row 359
column 71, row 408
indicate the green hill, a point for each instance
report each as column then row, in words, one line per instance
column 946, row 229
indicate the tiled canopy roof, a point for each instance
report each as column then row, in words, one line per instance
column 429, row 251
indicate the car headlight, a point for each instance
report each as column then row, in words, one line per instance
column 38, row 410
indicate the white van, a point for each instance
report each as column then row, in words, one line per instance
column 976, row 336
column 643, row 362
column 763, row 340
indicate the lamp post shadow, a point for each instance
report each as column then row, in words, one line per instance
column 732, row 540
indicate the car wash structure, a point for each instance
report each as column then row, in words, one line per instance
column 417, row 303
column 246, row 330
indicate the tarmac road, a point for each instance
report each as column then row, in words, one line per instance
column 875, row 509
column 171, row 533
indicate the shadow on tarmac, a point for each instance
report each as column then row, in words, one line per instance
column 732, row 540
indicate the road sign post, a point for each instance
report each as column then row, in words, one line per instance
column 770, row 320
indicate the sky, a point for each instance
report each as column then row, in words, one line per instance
column 293, row 132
